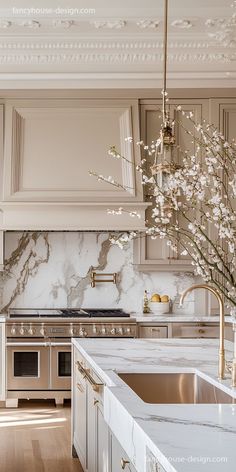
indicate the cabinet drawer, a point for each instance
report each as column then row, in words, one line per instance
column 153, row 332
column 187, row 331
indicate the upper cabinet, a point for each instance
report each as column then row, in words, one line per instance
column 154, row 254
column 50, row 147
column 223, row 116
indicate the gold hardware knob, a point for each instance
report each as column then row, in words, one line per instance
column 201, row 331
column 95, row 401
column 124, row 463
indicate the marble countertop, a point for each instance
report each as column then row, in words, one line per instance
column 173, row 318
column 184, row 438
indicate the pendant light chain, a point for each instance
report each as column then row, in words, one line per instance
column 164, row 92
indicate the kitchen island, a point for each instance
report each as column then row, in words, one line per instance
column 152, row 437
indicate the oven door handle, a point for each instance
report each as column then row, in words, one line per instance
column 54, row 344
column 16, row 344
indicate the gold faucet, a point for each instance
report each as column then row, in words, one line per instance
column 222, row 322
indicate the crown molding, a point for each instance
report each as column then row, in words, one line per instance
column 116, row 80
column 93, row 44
column 114, row 58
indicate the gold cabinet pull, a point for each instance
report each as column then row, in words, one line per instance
column 201, row 331
column 87, row 376
column 95, row 402
column 124, row 463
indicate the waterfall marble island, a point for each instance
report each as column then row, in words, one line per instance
column 186, row 423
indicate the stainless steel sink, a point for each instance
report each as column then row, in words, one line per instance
column 174, row 388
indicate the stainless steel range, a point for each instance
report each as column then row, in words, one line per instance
column 38, row 360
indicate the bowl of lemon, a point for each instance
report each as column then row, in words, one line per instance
column 159, row 304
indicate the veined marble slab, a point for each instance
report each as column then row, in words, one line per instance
column 184, row 438
column 50, row 270
column 172, row 318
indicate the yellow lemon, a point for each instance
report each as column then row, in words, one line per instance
column 164, row 298
column 156, row 298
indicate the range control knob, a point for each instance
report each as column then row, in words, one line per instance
column 42, row 330
column 128, row 330
column 113, row 331
column 31, row 331
column 120, row 331
column 13, row 330
column 72, row 330
column 83, row 333
column 103, row 330
column 95, row 329
column 22, row 330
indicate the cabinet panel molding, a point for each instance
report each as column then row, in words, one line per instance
column 51, row 147
column 154, row 254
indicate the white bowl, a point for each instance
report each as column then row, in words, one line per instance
column 159, row 307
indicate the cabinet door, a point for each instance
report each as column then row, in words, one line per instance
column 153, row 332
column 1, row 250
column 91, row 429
column 79, row 409
column 154, row 254
column 192, row 330
column 2, row 361
column 101, row 440
column 223, row 116
column 119, row 459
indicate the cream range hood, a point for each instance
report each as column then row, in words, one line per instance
column 70, row 217
column 49, row 146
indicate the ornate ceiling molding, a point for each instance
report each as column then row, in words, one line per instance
column 200, row 39
column 63, row 23
column 32, row 24
column 223, row 29
column 148, row 24
column 182, row 24
column 109, row 24
column 113, row 58
column 105, row 44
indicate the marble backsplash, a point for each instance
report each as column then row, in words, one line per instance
column 53, row 270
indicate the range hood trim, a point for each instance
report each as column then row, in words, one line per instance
column 83, row 216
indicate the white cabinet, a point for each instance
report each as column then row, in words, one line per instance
column 102, row 441
column 119, row 459
column 90, row 433
column 2, row 362
column 79, row 409
column 97, row 450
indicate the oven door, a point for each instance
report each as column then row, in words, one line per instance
column 28, row 365
column 60, row 365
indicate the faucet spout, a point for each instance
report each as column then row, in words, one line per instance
column 215, row 292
